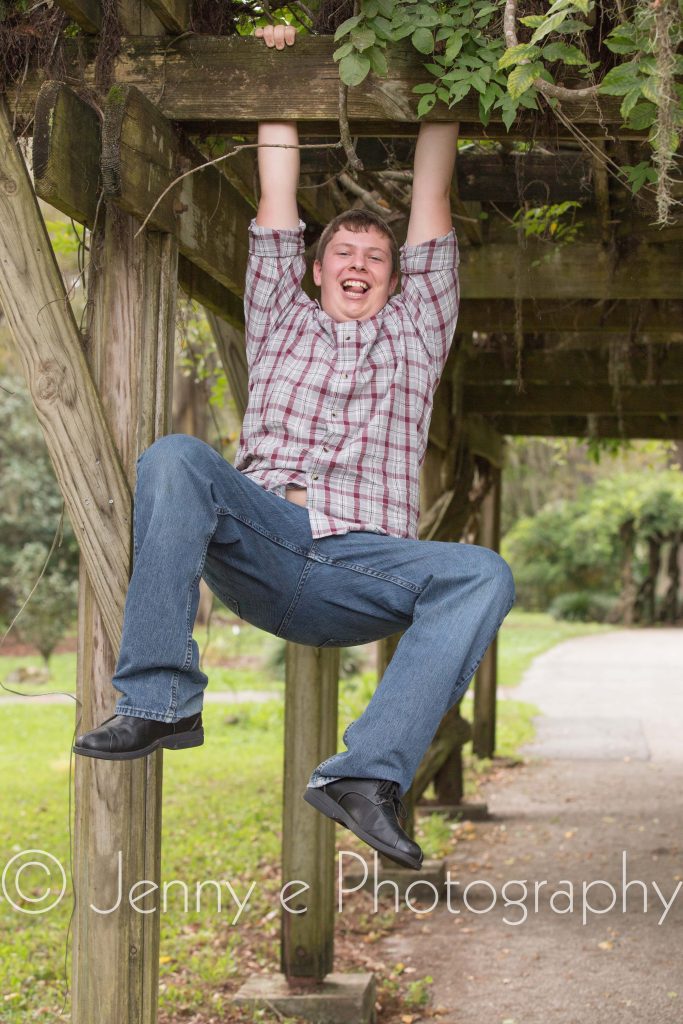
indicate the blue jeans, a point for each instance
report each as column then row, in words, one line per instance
column 196, row 516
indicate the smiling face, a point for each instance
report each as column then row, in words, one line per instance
column 355, row 277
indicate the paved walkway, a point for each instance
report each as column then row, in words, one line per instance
column 600, row 798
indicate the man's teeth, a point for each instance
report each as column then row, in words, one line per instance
column 355, row 285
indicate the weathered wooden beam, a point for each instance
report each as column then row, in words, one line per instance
column 174, row 15
column 483, row 439
column 132, row 291
column 486, row 678
column 86, row 13
column 223, row 83
column 577, row 366
column 142, row 154
column 632, row 427
column 66, row 167
column 582, row 270
column 504, row 176
column 584, row 400
column 553, row 317
column 232, row 353
column 311, row 696
column 67, row 405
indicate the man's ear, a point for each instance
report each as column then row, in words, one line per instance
column 393, row 281
column 317, row 272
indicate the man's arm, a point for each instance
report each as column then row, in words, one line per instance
column 430, row 208
column 278, row 168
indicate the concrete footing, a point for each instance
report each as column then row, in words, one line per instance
column 338, row 999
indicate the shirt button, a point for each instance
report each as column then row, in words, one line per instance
column 346, row 374
column 325, row 449
column 334, row 414
column 315, row 476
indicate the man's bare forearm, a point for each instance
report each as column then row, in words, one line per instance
column 430, row 208
column 278, row 174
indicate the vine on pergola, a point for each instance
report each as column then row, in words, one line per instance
column 474, row 45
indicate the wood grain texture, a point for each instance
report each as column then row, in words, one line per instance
column 582, row 270
column 589, row 399
column 67, row 405
column 228, row 83
column 118, row 804
column 142, row 154
column 311, row 690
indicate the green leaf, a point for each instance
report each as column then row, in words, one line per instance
column 343, row 51
column 649, row 90
column 508, row 116
column 521, row 78
column 458, row 93
column 425, row 88
column 478, row 83
column 533, row 20
column 620, row 80
column 346, row 27
column 486, row 101
column 629, row 101
column 642, row 116
column 378, row 62
column 402, row 31
column 369, row 8
column 564, row 52
column 423, row 40
column 425, row 105
column 621, row 40
column 571, row 26
column 363, row 38
column 354, row 68
column 453, row 49
column 382, row 29
column 549, row 25
column 515, row 54
column 386, row 8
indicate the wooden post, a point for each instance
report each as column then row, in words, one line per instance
column 118, row 805
column 307, row 939
column 486, row 678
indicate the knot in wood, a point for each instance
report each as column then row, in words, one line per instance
column 9, row 186
column 55, row 383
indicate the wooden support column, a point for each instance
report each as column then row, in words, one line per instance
column 118, row 804
column 486, row 678
column 307, row 939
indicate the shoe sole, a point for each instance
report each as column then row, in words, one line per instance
column 181, row 741
column 329, row 807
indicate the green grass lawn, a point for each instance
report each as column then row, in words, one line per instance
column 221, row 818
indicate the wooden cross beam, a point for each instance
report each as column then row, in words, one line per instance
column 66, row 165
column 589, row 399
column 225, row 83
column 558, row 319
column 582, row 270
column 632, row 427
column 577, row 367
column 503, row 176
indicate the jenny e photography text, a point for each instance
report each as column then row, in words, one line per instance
column 34, row 882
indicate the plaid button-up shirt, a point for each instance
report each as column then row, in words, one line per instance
column 343, row 409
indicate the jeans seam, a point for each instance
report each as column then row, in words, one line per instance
column 222, row 511
column 467, row 675
column 308, row 565
column 415, row 588
column 143, row 713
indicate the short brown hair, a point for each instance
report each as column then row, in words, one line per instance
column 358, row 220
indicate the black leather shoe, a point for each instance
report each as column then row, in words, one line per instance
column 369, row 808
column 124, row 737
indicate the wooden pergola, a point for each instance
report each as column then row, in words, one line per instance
column 575, row 340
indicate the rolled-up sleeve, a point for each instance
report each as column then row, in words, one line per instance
column 275, row 269
column 430, row 294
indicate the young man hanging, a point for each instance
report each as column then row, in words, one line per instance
column 311, row 534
